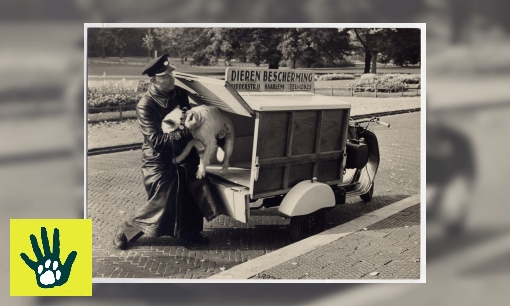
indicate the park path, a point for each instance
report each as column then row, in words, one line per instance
column 115, row 133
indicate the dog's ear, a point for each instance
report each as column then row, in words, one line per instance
column 171, row 121
column 199, row 118
column 193, row 120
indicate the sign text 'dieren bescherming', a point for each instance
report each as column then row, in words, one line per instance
column 260, row 79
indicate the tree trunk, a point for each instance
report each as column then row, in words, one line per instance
column 121, row 53
column 368, row 58
column 294, row 62
column 103, row 51
column 149, row 56
column 373, row 69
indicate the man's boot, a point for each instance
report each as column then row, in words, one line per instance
column 119, row 239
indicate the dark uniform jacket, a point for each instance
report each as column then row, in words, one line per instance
column 171, row 188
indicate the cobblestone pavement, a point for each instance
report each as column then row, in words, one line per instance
column 388, row 249
column 115, row 190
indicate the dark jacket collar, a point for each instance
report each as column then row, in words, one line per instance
column 161, row 97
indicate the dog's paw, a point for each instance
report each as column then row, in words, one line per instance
column 224, row 170
column 200, row 174
column 49, row 273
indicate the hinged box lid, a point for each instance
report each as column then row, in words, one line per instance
column 220, row 93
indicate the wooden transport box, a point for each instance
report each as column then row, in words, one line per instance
column 281, row 139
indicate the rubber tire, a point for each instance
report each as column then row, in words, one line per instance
column 302, row 227
column 368, row 196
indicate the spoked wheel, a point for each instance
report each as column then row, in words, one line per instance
column 302, row 227
column 368, row 196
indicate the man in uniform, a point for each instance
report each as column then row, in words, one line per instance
column 177, row 200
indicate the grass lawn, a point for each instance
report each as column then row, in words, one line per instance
column 96, row 67
column 335, row 83
column 360, row 68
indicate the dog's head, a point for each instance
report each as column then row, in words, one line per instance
column 172, row 121
column 194, row 120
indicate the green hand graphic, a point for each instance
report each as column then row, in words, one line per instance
column 49, row 271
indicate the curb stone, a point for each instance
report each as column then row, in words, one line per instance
column 260, row 264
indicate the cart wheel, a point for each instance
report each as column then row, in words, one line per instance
column 302, row 227
column 368, row 196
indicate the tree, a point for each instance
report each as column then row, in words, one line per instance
column 257, row 45
column 246, row 44
column 104, row 39
column 324, row 47
column 174, row 41
column 148, row 43
column 93, row 48
column 304, row 47
column 292, row 46
column 120, row 38
column 373, row 41
column 199, row 45
column 404, row 47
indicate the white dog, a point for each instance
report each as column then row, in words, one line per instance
column 207, row 124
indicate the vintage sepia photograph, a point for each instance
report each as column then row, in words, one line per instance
column 256, row 152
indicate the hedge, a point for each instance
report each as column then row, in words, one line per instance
column 114, row 93
column 384, row 82
column 335, row 76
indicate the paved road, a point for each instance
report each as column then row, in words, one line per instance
column 115, row 190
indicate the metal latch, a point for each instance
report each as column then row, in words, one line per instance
column 257, row 168
column 344, row 159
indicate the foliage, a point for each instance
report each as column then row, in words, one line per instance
column 335, row 76
column 368, row 78
column 400, row 45
column 344, row 63
column 405, row 47
column 115, row 42
column 101, row 38
column 291, row 46
column 312, row 48
column 407, row 78
column 148, row 43
column 256, row 45
column 143, row 86
column 112, row 94
column 384, row 82
column 372, row 41
column 298, row 47
column 177, row 42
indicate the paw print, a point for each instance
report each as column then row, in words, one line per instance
column 49, row 271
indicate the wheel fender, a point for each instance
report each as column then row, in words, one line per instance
column 307, row 197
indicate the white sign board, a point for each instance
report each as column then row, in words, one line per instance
column 263, row 79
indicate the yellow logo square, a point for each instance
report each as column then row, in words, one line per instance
column 51, row 257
